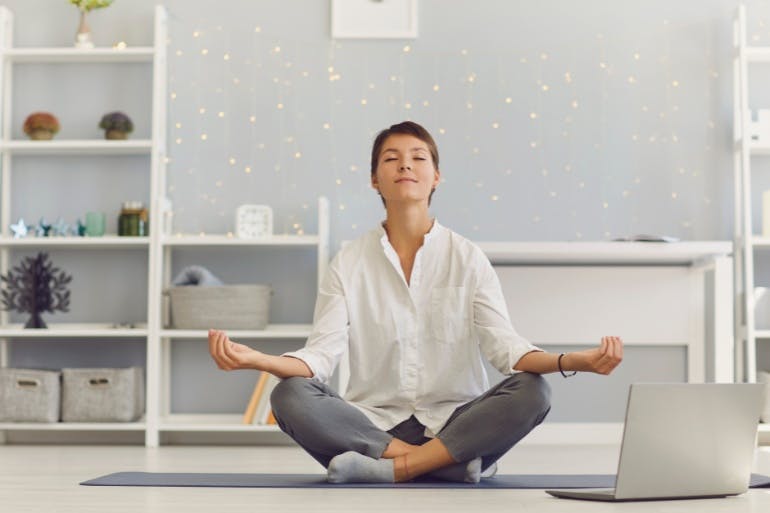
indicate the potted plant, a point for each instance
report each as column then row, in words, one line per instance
column 83, row 38
column 41, row 126
column 116, row 125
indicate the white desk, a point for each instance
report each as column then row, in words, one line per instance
column 651, row 293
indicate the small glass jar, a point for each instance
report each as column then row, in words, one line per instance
column 132, row 221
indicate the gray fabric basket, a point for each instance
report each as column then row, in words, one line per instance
column 29, row 395
column 102, row 395
column 243, row 307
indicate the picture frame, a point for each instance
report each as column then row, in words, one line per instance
column 374, row 19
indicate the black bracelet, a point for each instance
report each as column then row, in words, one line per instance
column 558, row 362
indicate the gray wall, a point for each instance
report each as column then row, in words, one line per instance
column 632, row 105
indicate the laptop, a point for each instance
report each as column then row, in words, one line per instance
column 684, row 441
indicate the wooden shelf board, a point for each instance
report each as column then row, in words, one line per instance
column 291, row 331
column 758, row 53
column 71, row 54
column 72, row 426
column 106, row 241
column 72, row 330
column 78, row 147
column 232, row 240
column 211, row 423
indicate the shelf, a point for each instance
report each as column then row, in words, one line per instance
column 80, row 330
column 71, row 55
column 212, row 423
column 107, row 241
column 758, row 53
column 227, row 240
column 72, row 426
column 273, row 331
column 78, row 147
column 764, row 334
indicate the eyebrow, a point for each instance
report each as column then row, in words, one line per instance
column 411, row 149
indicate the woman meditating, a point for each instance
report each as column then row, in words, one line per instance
column 416, row 307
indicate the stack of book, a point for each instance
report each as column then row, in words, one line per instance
column 258, row 411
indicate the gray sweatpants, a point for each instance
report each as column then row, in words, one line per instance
column 325, row 425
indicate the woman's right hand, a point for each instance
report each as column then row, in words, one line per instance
column 230, row 355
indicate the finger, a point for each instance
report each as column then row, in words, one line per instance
column 603, row 350
column 233, row 354
column 215, row 349
column 222, row 351
column 212, row 341
column 611, row 348
column 620, row 348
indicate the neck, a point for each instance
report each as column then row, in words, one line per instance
column 406, row 227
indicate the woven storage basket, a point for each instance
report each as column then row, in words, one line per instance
column 102, row 395
column 243, row 307
column 29, row 395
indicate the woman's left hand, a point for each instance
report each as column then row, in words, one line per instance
column 601, row 360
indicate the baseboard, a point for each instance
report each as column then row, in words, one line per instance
column 571, row 433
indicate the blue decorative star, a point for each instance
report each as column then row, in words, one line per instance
column 19, row 229
column 60, row 229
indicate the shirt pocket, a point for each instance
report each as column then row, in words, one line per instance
column 450, row 316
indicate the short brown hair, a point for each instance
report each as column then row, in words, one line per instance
column 405, row 128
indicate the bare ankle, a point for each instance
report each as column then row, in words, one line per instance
column 400, row 469
column 397, row 448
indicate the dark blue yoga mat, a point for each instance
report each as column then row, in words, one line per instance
column 319, row 481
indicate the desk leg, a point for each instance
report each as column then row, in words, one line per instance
column 724, row 336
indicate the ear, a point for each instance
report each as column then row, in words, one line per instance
column 375, row 183
column 436, row 178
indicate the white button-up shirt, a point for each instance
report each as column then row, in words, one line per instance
column 414, row 349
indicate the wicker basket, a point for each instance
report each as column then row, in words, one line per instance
column 241, row 307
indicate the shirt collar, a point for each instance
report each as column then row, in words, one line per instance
column 434, row 229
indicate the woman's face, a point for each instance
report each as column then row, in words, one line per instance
column 405, row 170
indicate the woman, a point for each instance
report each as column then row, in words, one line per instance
column 415, row 306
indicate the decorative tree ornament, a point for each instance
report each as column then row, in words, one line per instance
column 35, row 286
column 79, row 229
column 19, row 229
column 43, row 229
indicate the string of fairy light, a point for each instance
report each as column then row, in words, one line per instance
column 214, row 181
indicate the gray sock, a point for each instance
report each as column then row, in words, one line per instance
column 490, row 471
column 466, row 472
column 351, row 467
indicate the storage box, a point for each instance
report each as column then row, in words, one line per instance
column 764, row 377
column 244, row 307
column 29, row 395
column 102, row 395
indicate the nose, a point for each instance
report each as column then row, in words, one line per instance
column 405, row 166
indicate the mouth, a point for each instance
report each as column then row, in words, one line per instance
column 406, row 180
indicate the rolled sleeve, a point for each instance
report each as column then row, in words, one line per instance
column 329, row 338
column 497, row 338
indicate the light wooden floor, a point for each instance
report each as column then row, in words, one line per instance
column 45, row 479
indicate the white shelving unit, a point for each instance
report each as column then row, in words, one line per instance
column 747, row 244
column 159, row 246
column 154, row 147
column 169, row 422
